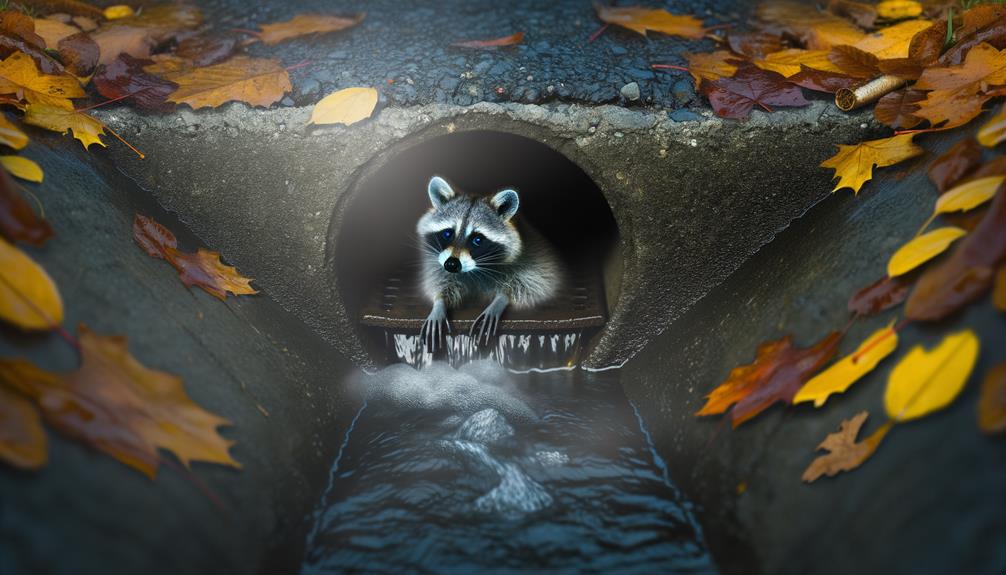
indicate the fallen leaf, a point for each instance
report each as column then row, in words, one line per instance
column 978, row 17
column 304, row 24
column 921, row 249
column 347, row 106
column 898, row 9
column 118, row 406
column 20, row 76
column 52, row 31
column 850, row 369
column 993, row 132
column 999, row 294
column 992, row 401
column 85, row 128
column 79, row 54
column 967, row 273
column 854, row 165
column 927, row 381
column 923, row 51
column 854, row 62
column 957, row 93
column 893, row 41
column 778, row 372
column 881, row 295
column 969, row 195
column 844, row 453
column 994, row 35
column 10, row 45
column 72, row 7
column 18, row 221
column 254, row 81
column 22, row 439
column 711, row 65
column 118, row 11
column 10, row 135
column 822, row 81
column 207, row 49
column 788, row 62
column 815, row 29
column 23, row 168
column 203, row 268
column 956, row 163
column 126, row 77
column 510, row 40
column 136, row 35
column 17, row 24
column 135, row 42
column 754, row 45
column 864, row 15
column 28, row 297
column 641, row 20
column 897, row 109
column 734, row 97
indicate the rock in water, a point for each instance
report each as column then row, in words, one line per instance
column 486, row 427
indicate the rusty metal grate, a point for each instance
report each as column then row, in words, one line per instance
column 399, row 304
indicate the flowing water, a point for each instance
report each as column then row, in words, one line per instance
column 477, row 469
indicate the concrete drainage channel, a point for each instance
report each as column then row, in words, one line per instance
column 696, row 209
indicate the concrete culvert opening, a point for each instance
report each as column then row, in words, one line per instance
column 376, row 257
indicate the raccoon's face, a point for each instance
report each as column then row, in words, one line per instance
column 469, row 234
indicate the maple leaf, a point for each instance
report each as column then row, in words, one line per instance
column 778, row 372
column 845, row 454
column 20, row 76
column 28, row 296
column 854, row 164
column 347, row 106
column 957, row 162
column 11, row 135
column 254, row 81
column 815, row 29
column 641, row 20
column 967, row 273
column 126, row 77
column 843, row 373
column 734, row 97
column 789, row 62
column 881, row 295
column 203, row 268
column 927, row 381
column 711, row 65
column 957, row 93
column 897, row 109
column 304, row 24
column 120, row 407
column 22, row 439
column 18, row 222
column 921, row 249
column 23, row 168
column 992, row 401
column 85, row 128
column 510, row 40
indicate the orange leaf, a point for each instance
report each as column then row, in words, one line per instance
column 957, row 93
column 254, row 81
column 304, row 24
column 203, row 268
column 777, row 374
column 844, row 453
column 815, row 29
column 510, row 40
column 22, row 439
column 641, row 20
column 711, row 65
column 992, row 401
column 136, row 35
column 788, row 62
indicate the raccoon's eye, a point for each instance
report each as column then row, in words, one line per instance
column 447, row 234
column 477, row 240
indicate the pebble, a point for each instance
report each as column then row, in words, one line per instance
column 684, row 115
column 630, row 91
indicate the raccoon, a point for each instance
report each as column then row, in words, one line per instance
column 471, row 247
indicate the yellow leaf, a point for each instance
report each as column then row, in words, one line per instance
column 119, row 11
column 816, row 29
column 994, row 131
column 927, row 381
column 22, row 168
column 304, row 24
column 711, row 65
column 641, row 20
column 893, row 41
column 854, row 164
column 898, row 9
column 52, row 31
column 969, row 195
column 28, row 297
column 254, row 81
column 850, row 369
column 922, row 249
column 20, row 76
column 346, row 106
column 85, row 128
column 11, row 135
column 787, row 62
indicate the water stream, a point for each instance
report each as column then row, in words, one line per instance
column 477, row 469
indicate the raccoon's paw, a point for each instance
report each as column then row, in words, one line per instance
column 486, row 324
column 435, row 329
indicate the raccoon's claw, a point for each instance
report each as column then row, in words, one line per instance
column 434, row 330
column 488, row 323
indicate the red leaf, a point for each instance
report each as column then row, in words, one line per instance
column 734, row 97
column 881, row 295
column 958, row 162
column 18, row 222
column 510, row 40
column 125, row 77
column 822, row 81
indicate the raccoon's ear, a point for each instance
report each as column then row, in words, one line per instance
column 506, row 203
column 440, row 191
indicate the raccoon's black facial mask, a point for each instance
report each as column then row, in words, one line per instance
column 482, row 250
column 440, row 240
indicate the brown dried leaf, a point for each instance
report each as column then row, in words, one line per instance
column 640, row 20
column 854, row 62
column 79, row 54
column 754, row 45
column 512, row 39
column 305, row 24
column 814, row 29
column 734, row 97
column 864, row 15
column 897, row 109
column 207, row 49
column 73, row 7
column 957, row 93
column 52, row 31
column 822, row 81
column 20, row 25
column 125, row 76
column 254, row 81
column 879, row 296
column 18, row 221
column 22, row 438
column 999, row 293
column 955, row 164
column 992, row 401
column 844, row 453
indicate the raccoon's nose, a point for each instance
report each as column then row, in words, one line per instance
column 452, row 265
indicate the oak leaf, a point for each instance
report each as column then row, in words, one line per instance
column 854, row 165
column 778, row 372
column 641, row 20
column 843, row 373
column 734, row 97
column 304, row 24
column 28, row 296
column 711, row 65
column 845, row 454
column 85, row 128
column 23, row 168
column 956, row 163
column 20, row 76
column 254, row 81
column 881, row 295
column 203, row 268
column 22, row 438
column 347, row 106
column 927, row 381
column 992, row 401
column 921, row 249
column 897, row 109
column 814, row 29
